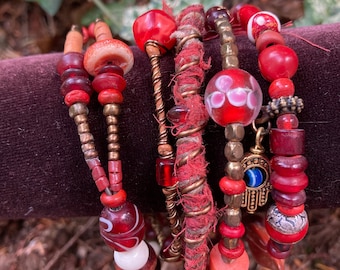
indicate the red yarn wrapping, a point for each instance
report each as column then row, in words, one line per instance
column 196, row 226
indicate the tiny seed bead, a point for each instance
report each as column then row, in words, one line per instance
column 111, row 110
column 78, row 109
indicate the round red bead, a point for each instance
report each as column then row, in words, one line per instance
column 281, row 87
column 289, row 184
column 233, row 96
column 287, row 142
column 232, row 187
column 108, row 81
column 115, row 200
column 260, row 22
column 287, row 121
column 244, row 13
column 70, row 60
column 289, row 166
column 155, row 25
column 278, row 61
column 289, row 199
column 231, row 232
column 290, row 211
column 122, row 228
column 231, row 253
column 110, row 96
column 268, row 38
column 76, row 83
column 76, row 96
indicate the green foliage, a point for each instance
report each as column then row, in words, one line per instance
column 51, row 7
column 120, row 15
column 320, row 12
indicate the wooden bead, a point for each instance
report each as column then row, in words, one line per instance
column 73, row 41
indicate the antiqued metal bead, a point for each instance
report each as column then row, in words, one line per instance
column 112, row 129
column 230, row 62
column 111, row 109
column 113, row 156
column 80, row 118
column 113, row 147
column 112, row 138
column 77, row 109
column 88, row 146
column 232, row 217
column 234, row 132
column 233, row 151
column 230, row 243
column 233, row 201
column 228, row 49
column 83, row 128
column 111, row 120
column 234, row 170
column 86, row 137
column 92, row 153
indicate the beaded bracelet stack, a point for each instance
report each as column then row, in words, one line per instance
column 233, row 99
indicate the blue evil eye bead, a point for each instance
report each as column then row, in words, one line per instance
column 253, row 177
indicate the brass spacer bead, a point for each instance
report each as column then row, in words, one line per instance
column 86, row 137
column 83, row 128
column 111, row 120
column 232, row 217
column 233, row 201
column 165, row 150
column 112, row 129
column 80, row 118
column 112, row 138
column 230, row 62
column 233, row 151
column 230, row 243
column 111, row 109
column 92, row 153
column 113, row 147
column 234, row 170
column 88, row 146
column 234, row 132
column 77, row 109
column 113, row 156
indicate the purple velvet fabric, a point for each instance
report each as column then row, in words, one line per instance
column 42, row 170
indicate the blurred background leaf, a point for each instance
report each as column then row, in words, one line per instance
column 51, row 7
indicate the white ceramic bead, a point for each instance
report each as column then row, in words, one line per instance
column 134, row 258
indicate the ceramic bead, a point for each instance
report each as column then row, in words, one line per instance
column 133, row 259
column 76, row 96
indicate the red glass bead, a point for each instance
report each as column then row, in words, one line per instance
column 285, row 229
column 110, row 96
column 289, row 166
column 102, row 183
column 97, row 172
column 74, row 72
column 155, row 25
column 213, row 14
column 278, row 61
column 278, row 250
column 115, row 200
column 233, row 96
column 290, row 211
column 93, row 162
column 231, row 253
column 122, row 228
column 232, row 187
column 164, row 172
column 268, row 38
column 112, row 69
column 287, row 121
column 287, row 142
column 105, row 81
column 281, row 87
column 115, row 166
column 289, row 199
column 76, row 96
column 70, row 60
column 245, row 13
column 260, row 22
column 289, row 184
column 231, row 232
column 177, row 114
column 108, row 52
column 76, row 83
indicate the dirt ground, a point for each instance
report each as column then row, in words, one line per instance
column 75, row 243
